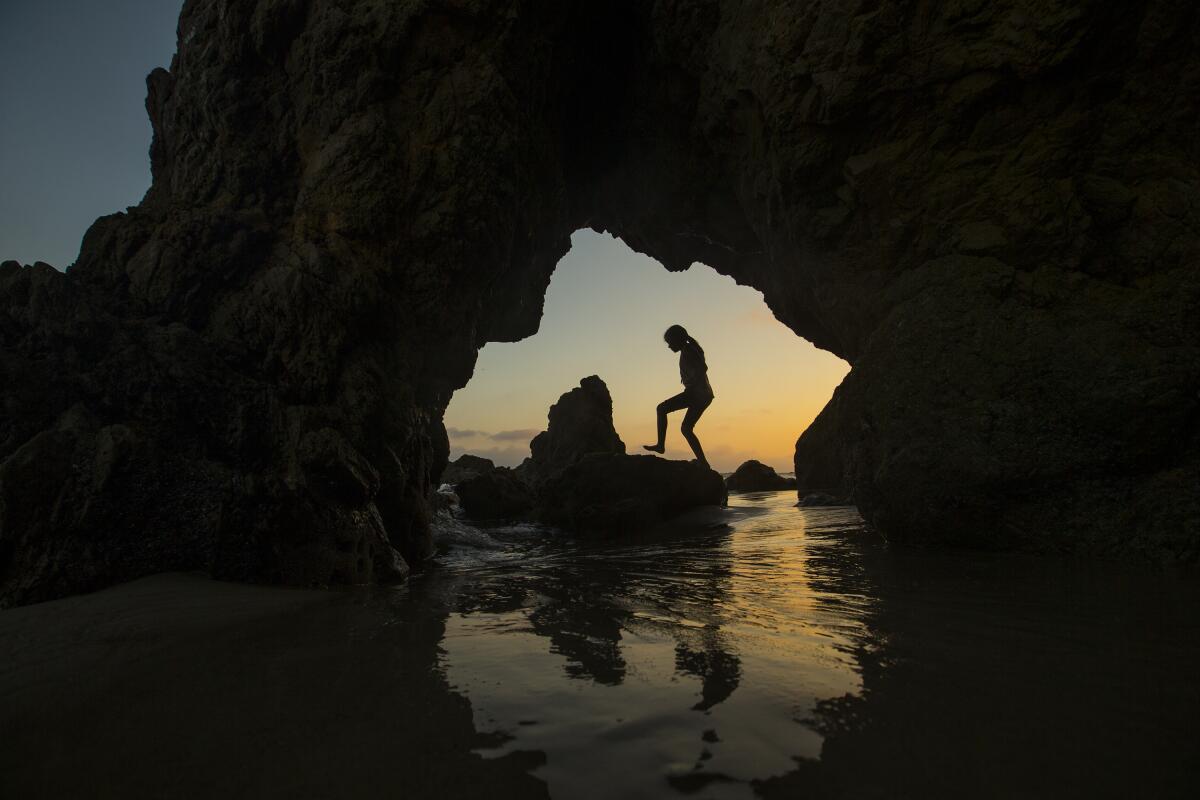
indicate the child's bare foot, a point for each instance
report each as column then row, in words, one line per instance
column 655, row 448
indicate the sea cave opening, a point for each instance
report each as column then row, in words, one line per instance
column 605, row 312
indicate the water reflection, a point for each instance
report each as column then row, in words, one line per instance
column 637, row 652
column 1009, row 676
column 784, row 652
column 761, row 651
column 584, row 597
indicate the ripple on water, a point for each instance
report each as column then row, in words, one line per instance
column 722, row 653
column 763, row 649
column 679, row 655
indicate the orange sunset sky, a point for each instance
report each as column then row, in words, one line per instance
column 605, row 313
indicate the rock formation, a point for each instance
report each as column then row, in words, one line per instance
column 991, row 210
column 580, row 423
column 755, row 476
column 579, row 477
column 465, row 467
column 615, row 493
column 496, row 495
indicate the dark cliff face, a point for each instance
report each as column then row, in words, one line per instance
column 992, row 210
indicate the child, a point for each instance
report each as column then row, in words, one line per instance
column 696, row 396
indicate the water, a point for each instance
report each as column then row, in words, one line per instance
column 762, row 650
column 774, row 649
column 690, row 660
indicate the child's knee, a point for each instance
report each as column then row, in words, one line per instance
column 662, row 408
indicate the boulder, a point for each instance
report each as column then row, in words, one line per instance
column 755, row 476
column 615, row 492
column 464, row 467
column 580, row 423
column 499, row 494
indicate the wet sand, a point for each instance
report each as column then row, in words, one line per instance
column 177, row 686
column 764, row 650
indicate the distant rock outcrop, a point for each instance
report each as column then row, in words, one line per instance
column 755, row 476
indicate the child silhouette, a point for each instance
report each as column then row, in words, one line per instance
column 696, row 396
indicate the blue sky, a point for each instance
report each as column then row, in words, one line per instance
column 75, row 140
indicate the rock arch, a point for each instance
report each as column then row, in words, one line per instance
column 989, row 209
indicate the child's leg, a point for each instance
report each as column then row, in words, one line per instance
column 675, row 403
column 689, row 424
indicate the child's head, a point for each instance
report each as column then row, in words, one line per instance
column 676, row 337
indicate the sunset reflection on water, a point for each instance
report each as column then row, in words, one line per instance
column 725, row 655
column 691, row 659
column 762, row 650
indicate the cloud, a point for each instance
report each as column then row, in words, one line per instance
column 522, row 435
column 459, row 433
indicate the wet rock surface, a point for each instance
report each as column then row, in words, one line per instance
column 755, row 476
column 990, row 210
column 615, row 493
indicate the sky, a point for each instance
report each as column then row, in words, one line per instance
column 75, row 145
column 605, row 314
column 75, row 138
